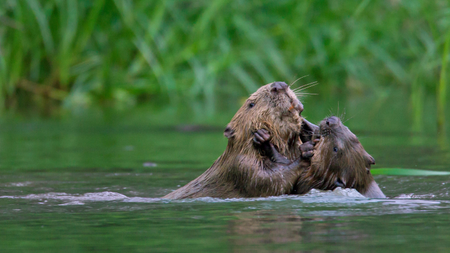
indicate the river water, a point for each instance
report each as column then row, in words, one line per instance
column 92, row 184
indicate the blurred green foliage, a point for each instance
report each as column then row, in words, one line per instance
column 81, row 52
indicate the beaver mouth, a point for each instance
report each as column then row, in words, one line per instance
column 325, row 132
column 297, row 105
column 324, row 129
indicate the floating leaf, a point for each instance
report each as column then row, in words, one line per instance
column 407, row 172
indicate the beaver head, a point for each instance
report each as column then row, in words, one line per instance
column 340, row 160
column 273, row 107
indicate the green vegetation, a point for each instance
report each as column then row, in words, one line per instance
column 442, row 89
column 121, row 52
column 407, row 172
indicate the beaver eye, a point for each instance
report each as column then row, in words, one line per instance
column 335, row 149
column 251, row 105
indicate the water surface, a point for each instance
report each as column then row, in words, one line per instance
column 93, row 184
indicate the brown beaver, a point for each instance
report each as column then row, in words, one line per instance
column 263, row 155
column 339, row 161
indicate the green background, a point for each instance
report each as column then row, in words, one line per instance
column 209, row 55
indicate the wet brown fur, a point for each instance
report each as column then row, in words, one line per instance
column 348, row 166
column 242, row 171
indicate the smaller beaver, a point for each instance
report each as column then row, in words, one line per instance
column 339, row 161
column 264, row 156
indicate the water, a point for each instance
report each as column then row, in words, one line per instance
column 92, row 184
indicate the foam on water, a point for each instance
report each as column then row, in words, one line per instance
column 338, row 197
column 315, row 196
column 75, row 198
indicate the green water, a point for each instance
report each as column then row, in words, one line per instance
column 91, row 184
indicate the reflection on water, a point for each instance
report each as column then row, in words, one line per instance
column 321, row 221
column 94, row 185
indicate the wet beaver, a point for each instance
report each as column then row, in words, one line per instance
column 264, row 154
column 339, row 161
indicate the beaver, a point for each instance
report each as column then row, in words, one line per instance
column 263, row 156
column 339, row 161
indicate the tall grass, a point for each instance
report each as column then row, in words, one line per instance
column 442, row 89
column 83, row 52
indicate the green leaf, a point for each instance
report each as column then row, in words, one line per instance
column 42, row 20
column 407, row 172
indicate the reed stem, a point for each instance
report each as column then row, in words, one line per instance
column 441, row 95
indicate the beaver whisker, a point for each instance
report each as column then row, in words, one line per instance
column 297, row 80
column 331, row 113
column 343, row 114
column 349, row 118
column 337, row 112
column 308, row 93
column 306, row 86
column 304, row 93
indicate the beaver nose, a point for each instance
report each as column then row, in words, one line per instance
column 299, row 107
column 332, row 121
column 276, row 86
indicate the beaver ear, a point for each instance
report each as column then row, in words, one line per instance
column 370, row 160
column 229, row 132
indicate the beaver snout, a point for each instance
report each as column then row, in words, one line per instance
column 299, row 107
column 277, row 86
column 332, row 121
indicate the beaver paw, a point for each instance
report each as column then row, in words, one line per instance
column 261, row 136
column 262, row 143
column 307, row 149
